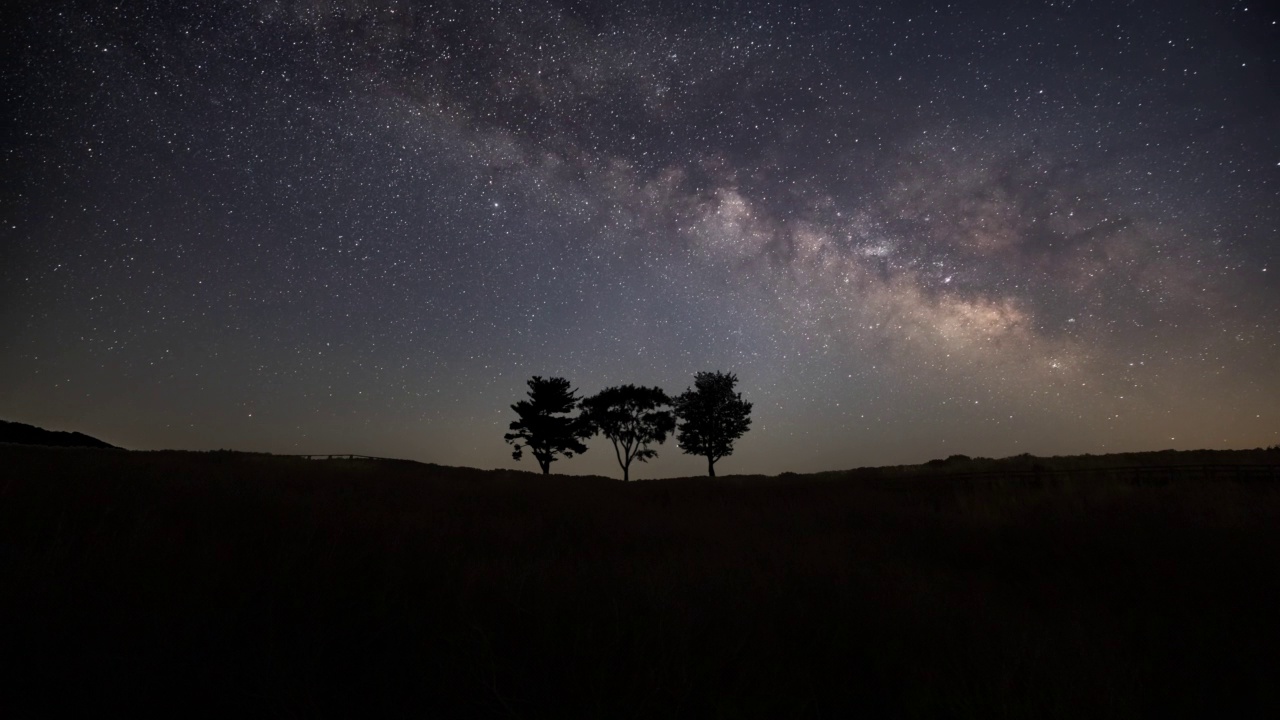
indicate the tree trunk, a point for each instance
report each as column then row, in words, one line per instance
column 626, row 472
column 711, row 467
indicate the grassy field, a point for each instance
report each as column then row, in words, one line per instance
column 217, row 583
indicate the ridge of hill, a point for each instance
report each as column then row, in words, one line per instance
column 1026, row 463
column 955, row 465
column 1245, row 464
column 23, row 434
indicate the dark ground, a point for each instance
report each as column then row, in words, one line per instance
column 220, row 583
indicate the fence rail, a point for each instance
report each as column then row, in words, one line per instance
column 346, row 456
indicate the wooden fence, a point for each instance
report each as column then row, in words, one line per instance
column 347, row 456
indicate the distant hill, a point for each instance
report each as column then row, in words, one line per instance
column 23, row 434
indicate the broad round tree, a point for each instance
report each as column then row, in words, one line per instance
column 631, row 417
column 712, row 416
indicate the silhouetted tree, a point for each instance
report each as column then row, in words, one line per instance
column 545, row 427
column 711, row 416
column 631, row 417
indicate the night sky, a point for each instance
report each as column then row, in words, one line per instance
column 912, row 229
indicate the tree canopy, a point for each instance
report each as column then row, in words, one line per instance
column 631, row 417
column 545, row 427
column 712, row 416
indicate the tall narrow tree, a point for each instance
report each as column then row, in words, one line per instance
column 545, row 427
column 631, row 417
column 712, row 416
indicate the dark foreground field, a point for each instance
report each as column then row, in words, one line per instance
column 220, row 583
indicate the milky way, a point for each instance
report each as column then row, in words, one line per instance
column 912, row 229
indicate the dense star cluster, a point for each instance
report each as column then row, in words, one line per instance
column 911, row 229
